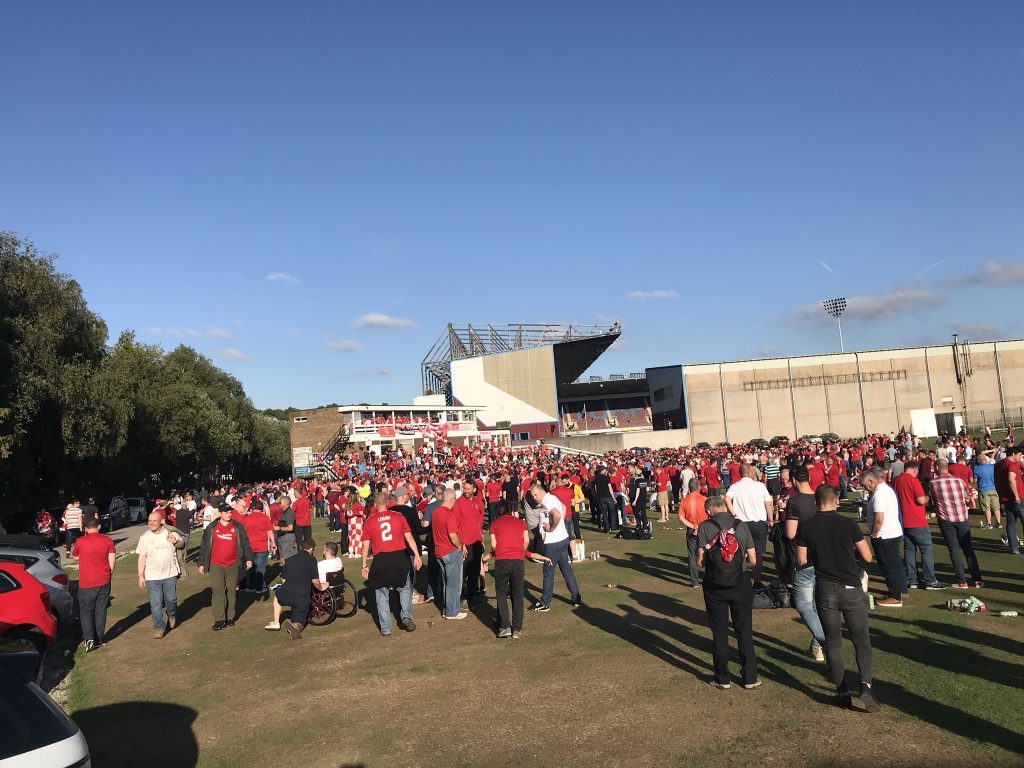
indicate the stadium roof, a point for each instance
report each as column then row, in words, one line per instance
column 576, row 347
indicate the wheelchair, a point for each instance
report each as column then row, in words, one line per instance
column 339, row 599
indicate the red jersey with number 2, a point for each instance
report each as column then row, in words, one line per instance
column 385, row 531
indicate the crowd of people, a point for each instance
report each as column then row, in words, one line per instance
column 428, row 525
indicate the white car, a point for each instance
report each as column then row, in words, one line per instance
column 36, row 732
column 138, row 507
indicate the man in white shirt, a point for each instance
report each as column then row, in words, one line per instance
column 209, row 513
column 556, row 547
column 748, row 500
column 886, row 531
column 331, row 562
column 158, row 571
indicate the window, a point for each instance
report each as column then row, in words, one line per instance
column 523, row 436
column 664, row 393
column 7, row 583
column 300, row 419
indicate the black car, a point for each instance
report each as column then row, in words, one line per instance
column 759, row 442
column 115, row 514
column 777, row 440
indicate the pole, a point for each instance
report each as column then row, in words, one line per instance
column 841, row 347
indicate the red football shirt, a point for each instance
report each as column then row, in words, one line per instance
column 508, row 533
column 564, row 495
column 301, row 507
column 257, row 527
column 493, row 491
column 908, row 489
column 442, row 522
column 225, row 551
column 663, row 480
column 963, row 472
column 385, row 531
column 93, row 564
column 471, row 520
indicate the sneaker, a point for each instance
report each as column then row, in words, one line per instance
column 960, row 585
column 158, row 634
column 272, row 627
column 229, row 623
column 456, row 617
column 172, row 622
column 815, row 651
column 935, row 586
column 889, row 602
column 408, row 625
column 914, row 586
column 385, row 634
column 540, row 608
column 722, row 686
column 516, row 634
column 979, row 584
column 1005, row 540
column 752, row 686
column 864, row 580
column 577, row 603
column 293, row 629
column 868, row 700
column 218, row 626
column 505, row 632
column 429, row 599
column 89, row 645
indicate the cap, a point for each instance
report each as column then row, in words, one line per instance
column 225, row 507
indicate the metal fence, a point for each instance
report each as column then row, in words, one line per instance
column 997, row 418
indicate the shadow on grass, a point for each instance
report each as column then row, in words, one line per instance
column 140, row 733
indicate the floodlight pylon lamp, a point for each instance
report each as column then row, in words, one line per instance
column 835, row 307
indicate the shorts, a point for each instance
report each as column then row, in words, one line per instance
column 662, row 498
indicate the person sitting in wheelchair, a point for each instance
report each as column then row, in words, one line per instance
column 300, row 571
column 331, row 564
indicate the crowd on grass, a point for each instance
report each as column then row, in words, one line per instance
column 458, row 512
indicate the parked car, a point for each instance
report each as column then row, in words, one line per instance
column 26, row 612
column 815, row 439
column 43, row 563
column 116, row 514
column 139, row 508
column 776, row 441
column 36, row 732
column 831, row 437
column 759, row 442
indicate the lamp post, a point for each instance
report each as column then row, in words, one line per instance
column 836, row 307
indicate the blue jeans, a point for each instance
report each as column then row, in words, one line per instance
column 803, row 592
column 163, row 595
column 559, row 554
column 1013, row 513
column 383, row 597
column 915, row 539
column 451, row 582
column 256, row 577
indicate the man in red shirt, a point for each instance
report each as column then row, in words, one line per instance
column 224, row 548
column 509, row 545
column 917, row 534
column 711, row 477
column 1009, row 480
column 492, row 491
column 303, row 523
column 95, row 554
column 260, row 532
column 471, row 531
column 450, row 554
column 387, row 533
column 662, row 479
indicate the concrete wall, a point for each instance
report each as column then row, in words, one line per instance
column 518, row 387
column 850, row 394
column 619, row 441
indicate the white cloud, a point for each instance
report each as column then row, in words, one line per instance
column 378, row 371
column 343, row 345
column 176, row 333
column 216, row 332
column 978, row 331
column 881, row 306
column 993, row 272
column 375, row 320
column 282, row 277
column 655, row 294
column 826, row 267
column 235, row 354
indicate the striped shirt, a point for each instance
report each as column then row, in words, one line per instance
column 952, row 498
column 73, row 518
column 771, row 471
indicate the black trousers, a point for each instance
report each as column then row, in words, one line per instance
column 509, row 581
column 303, row 532
column 835, row 602
column 721, row 604
column 759, row 533
column 92, row 612
column 471, row 570
column 887, row 553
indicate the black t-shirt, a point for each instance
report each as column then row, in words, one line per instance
column 511, row 489
column 801, row 507
column 601, row 485
column 831, row 542
column 638, row 484
column 299, row 571
column 412, row 519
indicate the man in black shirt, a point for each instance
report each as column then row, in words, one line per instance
column 400, row 504
column 638, row 499
column 831, row 543
column 605, row 501
column 510, row 489
column 799, row 508
column 300, row 576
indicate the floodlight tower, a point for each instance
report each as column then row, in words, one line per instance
column 836, row 307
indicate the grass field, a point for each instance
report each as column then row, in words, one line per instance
column 623, row 681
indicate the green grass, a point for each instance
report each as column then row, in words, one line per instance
column 621, row 682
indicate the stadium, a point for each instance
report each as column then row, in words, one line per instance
column 518, row 383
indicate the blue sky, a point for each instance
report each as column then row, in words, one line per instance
column 308, row 192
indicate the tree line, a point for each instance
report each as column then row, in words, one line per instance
column 81, row 418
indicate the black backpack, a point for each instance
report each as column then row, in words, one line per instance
column 723, row 556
